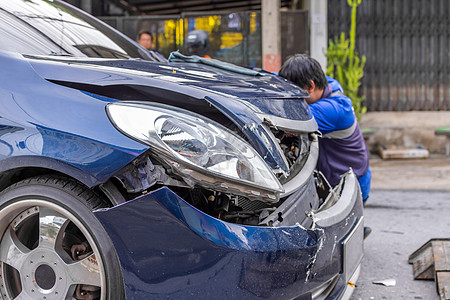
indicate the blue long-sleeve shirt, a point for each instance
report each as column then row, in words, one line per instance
column 342, row 145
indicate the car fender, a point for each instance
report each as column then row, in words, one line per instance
column 16, row 163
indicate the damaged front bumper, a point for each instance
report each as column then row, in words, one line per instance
column 169, row 249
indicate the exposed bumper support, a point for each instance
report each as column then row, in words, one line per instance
column 350, row 195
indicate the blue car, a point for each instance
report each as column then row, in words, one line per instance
column 127, row 176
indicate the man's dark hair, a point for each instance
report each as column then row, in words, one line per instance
column 301, row 69
column 144, row 32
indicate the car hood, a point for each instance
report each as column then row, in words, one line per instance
column 249, row 101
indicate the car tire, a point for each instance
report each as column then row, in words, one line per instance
column 52, row 245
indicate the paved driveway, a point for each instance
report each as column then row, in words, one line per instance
column 401, row 222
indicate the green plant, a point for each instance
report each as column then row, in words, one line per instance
column 345, row 65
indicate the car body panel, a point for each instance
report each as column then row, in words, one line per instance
column 188, row 254
column 234, row 95
column 201, row 77
column 56, row 131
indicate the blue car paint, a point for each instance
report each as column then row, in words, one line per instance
column 67, row 131
column 175, row 250
column 190, row 75
column 166, row 247
column 252, row 127
column 220, row 88
column 169, row 249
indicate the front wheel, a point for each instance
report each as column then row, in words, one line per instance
column 52, row 245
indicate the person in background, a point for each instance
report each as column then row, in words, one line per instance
column 342, row 144
column 145, row 39
column 197, row 43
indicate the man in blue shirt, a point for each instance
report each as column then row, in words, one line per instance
column 342, row 144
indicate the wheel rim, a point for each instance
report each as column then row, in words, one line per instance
column 47, row 253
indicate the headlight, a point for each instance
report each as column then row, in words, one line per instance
column 197, row 144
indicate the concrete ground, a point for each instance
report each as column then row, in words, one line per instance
column 401, row 221
column 409, row 205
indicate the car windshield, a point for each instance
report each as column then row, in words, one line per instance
column 52, row 28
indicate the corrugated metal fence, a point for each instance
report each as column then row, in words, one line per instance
column 407, row 45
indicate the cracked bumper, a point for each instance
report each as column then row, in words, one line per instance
column 169, row 249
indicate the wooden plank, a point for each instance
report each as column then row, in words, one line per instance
column 432, row 261
column 441, row 254
column 393, row 152
column 443, row 285
column 423, row 262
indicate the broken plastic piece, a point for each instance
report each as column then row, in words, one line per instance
column 386, row 282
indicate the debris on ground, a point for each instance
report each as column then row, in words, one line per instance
column 386, row 282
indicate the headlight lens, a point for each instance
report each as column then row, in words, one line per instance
column 194, row 140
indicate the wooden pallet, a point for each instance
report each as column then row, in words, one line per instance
column 432, row 261
column 394, row 152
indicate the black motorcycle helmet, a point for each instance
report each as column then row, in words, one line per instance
column 197, row 42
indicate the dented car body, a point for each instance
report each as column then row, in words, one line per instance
column 196, row 182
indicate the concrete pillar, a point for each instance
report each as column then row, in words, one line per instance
column 318, row 16
column 271, row 37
